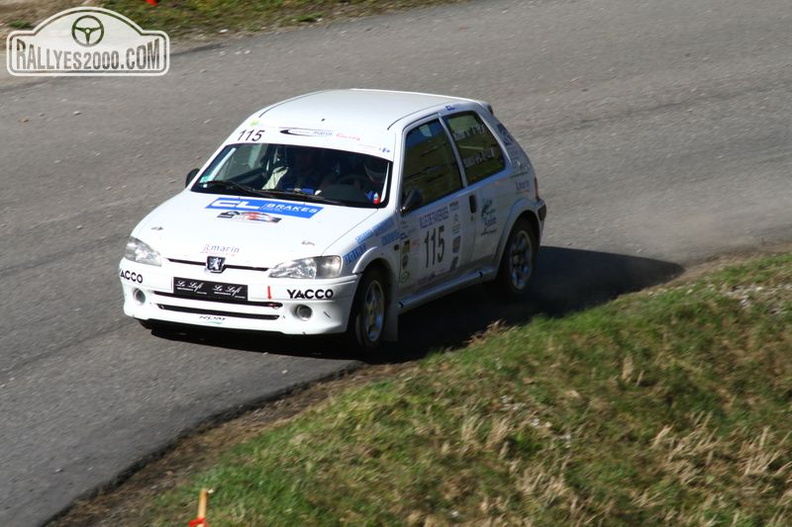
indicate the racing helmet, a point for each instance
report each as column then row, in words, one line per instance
column 376, row 169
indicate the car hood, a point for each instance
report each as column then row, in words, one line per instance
column 258, row 232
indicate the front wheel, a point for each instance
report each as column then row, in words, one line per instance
column 517, row 264
column 367, row 319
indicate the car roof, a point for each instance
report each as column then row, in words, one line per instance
column 363, row 108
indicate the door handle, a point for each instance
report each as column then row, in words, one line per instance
column 473, row 205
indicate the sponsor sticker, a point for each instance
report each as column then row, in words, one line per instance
column 354, row 254
column 185, row 287
column 266, row 206
column 131, row 276
column 311, row 294
column 377, row 230
column 306, row 132
column 249, row 216
column 489, row 217
column 433, row 217
column 214, row 248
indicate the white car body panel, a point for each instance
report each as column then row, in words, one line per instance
column 253, row 242
column 437, row 248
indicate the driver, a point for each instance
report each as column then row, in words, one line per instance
column 376, row 170
column 302, row 172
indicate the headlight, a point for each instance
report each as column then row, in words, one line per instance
column 140, row 252
column 318, row 267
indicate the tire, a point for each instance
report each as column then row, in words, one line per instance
column 518, row 262
column 158, row 327
column 148, row 324
column 369, row 309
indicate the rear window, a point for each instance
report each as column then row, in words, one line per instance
column 480, row 152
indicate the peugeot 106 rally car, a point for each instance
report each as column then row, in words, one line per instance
column 336, row 211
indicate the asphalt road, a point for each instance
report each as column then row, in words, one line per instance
column 660, row 130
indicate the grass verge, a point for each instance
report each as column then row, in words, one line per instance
column 188, row 17
column 671, row 406
column 190, row 20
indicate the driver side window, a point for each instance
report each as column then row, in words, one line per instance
column 429, row 164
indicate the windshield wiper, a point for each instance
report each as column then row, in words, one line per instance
column 230, row 185
column 296, row 195
column 270, row 193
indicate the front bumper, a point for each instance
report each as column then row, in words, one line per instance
column 292, row 307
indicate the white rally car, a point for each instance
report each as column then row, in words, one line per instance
column 336, row 211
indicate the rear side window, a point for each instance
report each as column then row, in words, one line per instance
column 480, row 152
column 429, row 163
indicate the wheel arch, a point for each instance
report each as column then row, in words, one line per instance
column 377, row 259
column 520, row 210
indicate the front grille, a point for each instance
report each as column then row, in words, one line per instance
column 227, row 266
column 273, row 305
column 216, row 312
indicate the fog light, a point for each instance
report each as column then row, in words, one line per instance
column 139, row 297
column 303, row 312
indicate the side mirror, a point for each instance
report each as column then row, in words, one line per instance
column 190, row 175
column 411, row 201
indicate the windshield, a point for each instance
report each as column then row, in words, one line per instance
column 297, row 173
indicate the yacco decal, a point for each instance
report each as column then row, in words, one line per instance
column 435, row 216
column 131, row 276
column 311, row 294
column 376, row 231
column 355, row 253
column 264, row 205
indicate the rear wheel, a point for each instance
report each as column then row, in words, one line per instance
column 367, row 319
column 518, row 261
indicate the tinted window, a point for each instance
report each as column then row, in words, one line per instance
column 480, row 152
column 429, row 163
